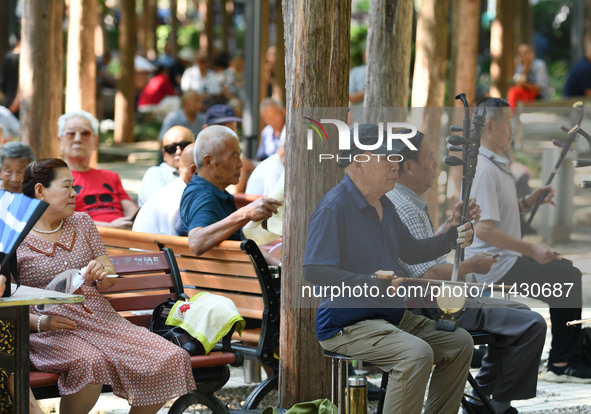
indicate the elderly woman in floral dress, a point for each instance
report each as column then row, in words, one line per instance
column 91, row 344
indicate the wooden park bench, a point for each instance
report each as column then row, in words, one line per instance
column 147, row 279
column 241, row 275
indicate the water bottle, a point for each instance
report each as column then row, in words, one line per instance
column 357, row 395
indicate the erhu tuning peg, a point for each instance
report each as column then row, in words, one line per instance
column 455, row 128
column 456, row 140
column 453, row 161
column 453, row 147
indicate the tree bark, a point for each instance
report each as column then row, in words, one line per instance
column 5, row 16
column 174, row 26
column 317, row 53
column 429, row 79
column 81, row 62
column 125, row 97
column 388, row 55
column 280, row 62
column 206, row 13
column 502, row 48
column 464, row 54
column 525, row 26
column 41, row 59
column 226, row 25
column 147, row 30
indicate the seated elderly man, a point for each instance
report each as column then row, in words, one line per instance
column 160, row 214
column 175, row 140
column 510, row 366
column 354, row 240
column 225, row 115
column 100, row 192
column 14, row 158
column 208, row 211
column 189, row 115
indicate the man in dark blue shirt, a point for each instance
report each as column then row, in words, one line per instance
column 207, row 210
column 355, row 239
column 579, row 78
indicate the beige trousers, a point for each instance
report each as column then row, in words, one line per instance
column 408, row 352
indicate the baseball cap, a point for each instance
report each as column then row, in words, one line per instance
column 369, row 134
column 220, row 114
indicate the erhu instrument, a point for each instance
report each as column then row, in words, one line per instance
column 572, row 134
column 469, row 145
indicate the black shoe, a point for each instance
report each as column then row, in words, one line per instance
column 576, row 371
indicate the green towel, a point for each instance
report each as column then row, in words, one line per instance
column 207, row 317
column 323, row 406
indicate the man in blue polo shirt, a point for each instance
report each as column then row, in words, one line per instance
column 208, row 211
column 355, row 239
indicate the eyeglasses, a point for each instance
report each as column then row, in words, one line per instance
column 83, row 134
column 171, row 148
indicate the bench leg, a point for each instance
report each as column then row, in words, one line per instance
column 260, row 392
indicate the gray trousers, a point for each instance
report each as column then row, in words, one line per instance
column 510, row 367
column 408, row 352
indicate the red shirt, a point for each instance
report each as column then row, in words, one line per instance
column 99, row 194
column 157, row 89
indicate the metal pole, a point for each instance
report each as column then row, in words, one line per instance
column 252, row 50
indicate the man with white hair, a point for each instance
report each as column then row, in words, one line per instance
column 208, row 211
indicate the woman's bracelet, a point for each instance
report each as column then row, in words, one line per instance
column 39, row 323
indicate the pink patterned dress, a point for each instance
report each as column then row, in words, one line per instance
column 142, row 367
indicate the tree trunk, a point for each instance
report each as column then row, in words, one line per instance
column 265, row 72
column 125, row 97
column 429, row 79
column 587, row 41
column 81, row 62
column 525, row 26
column 280, row 62
column 226, row 25
column 317, row 53
column 464, row 53
column 41, row 59
column 502, row 47
column 5, row 17
column 206, row 13
column 147, row 31
column 174, row 26
column 388, row 54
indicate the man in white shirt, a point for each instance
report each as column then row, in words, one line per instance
column 174, row 141
column 160, row 214
column 263, row 179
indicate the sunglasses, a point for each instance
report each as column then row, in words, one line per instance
column 171, row 148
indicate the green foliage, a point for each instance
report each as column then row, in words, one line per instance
column 188, row 36
column 146, row 130
column 357, row 46
column 558, row 74
column 534, row 164
column 552, row 22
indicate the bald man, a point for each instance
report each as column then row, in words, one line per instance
column 175, row 140
column 160, row 214
column 208, row 211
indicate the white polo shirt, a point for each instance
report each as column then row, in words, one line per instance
column 495, row 191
